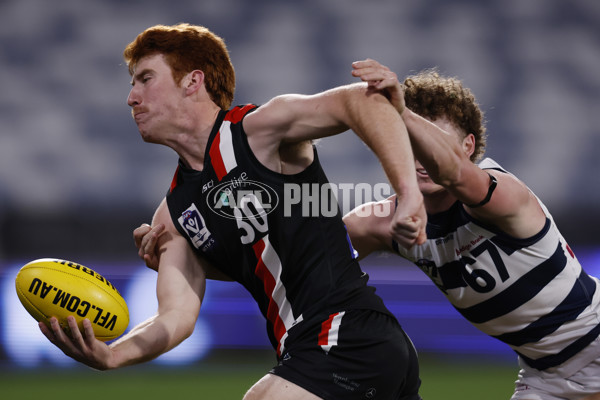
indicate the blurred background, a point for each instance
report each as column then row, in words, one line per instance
column 76, row 179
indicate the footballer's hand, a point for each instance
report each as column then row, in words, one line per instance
column 408, row 227
column 145, row 238
column 381, row 79
column 82, row 347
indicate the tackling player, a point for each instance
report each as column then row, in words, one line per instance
column 492, row 246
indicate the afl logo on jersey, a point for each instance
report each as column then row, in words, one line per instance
column 242, row 199
column 192, row 222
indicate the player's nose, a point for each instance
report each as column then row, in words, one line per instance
column 134, row 98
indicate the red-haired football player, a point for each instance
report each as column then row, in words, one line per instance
column 334, row 337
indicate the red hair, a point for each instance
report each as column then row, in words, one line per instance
column 187, row 48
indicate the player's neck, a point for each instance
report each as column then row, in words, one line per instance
column 190, row 143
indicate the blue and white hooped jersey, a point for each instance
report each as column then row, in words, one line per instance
column 530, row 293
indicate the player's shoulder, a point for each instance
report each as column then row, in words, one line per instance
column 489, row 163
column 239, row 112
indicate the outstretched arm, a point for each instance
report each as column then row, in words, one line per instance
column 291, row 119
column 506, row 203
column 512, row 207
column 180, row 289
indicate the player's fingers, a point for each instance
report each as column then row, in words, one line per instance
column 149, row 251
column 405, row 242
column 89, row 336
column 387, row 79
column 365, row 76
column 149, row 242
column 145, row 239
column 405, row 224
column 55, row 326
column 368, row 63
column 158, row 228
column 141, row 230
column 368, row 74
column 405, row 231
column 46, row 331
column 60, row 337
column 422, row 238
column 410, row 234
column 372, row 73
column 362, row 63
column 76, row 336
column 151, row 261
column 152, row 237
column 422, row 219
column 139, row 233
column 406, row 237
column 390, row 77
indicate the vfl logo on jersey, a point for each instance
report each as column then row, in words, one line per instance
column 192, row 222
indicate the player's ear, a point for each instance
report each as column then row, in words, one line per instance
column 468, row 144
column 193, row 81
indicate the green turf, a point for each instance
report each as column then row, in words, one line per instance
column 454, row 380
column 171, row 385
column 217, row 380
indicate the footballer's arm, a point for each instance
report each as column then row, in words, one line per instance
column 289, row 120
column 180, row 289
column 508, row 205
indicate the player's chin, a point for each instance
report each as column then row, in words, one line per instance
column 147, row 135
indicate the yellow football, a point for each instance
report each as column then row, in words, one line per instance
column 51, row 287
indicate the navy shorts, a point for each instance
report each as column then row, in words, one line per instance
column 358, row 354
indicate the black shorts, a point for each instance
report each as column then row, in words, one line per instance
column 359, row 354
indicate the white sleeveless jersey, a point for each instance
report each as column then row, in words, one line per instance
column 529, row 293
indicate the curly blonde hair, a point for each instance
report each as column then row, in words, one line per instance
column 433, row 96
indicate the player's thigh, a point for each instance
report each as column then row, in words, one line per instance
column 273, row 387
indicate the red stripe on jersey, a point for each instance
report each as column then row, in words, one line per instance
column 570, row 251
column 263, row 273
column 236, row 114
column 325, row 328
column 216, row 159
column 174, row 181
